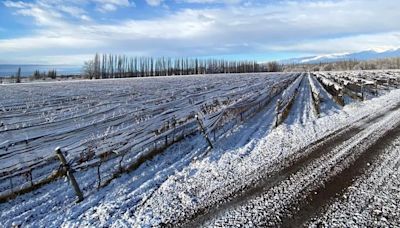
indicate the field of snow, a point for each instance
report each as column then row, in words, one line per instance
column 266, row 163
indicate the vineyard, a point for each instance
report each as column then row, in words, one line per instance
column 177, row 150
column 129, row 119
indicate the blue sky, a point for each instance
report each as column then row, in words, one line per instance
column 71, row 31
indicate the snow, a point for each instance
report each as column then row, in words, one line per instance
column 106, row 115
column 302, row 110
column 188, row 177
column 327, row 105
column 219, row 178
column 374, row 199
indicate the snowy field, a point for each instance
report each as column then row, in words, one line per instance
column 281, row 143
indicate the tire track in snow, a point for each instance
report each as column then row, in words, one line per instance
column 257, row 202
column 318, row 199
column 369, row 201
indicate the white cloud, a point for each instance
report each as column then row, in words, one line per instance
column 107, row 7
column 41, row 42
column 184, row 25
column 154, row 2
column 85, row 18
column 111, row 5
column 47, row 13
column 16, row 4
column 42, row 16
column 380, row 41
column 73, row 7
column 313, row 27
column 74, row 11
column 213, row 1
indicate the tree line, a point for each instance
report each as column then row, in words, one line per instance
column 37, row 75
column 121, row 66
column 42, row 75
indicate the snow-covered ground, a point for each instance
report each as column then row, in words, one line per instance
column 374, row 199
column 190, row 182
column 124, row 116
column 36, row 118
column 190, row 191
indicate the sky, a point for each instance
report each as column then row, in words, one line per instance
column 72, row 31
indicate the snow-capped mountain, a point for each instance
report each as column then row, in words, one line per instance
column 364, row 55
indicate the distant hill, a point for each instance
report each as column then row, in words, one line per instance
column 7, row 70
column 364, row 55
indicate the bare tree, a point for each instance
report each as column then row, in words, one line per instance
column 274, row 67
column 89, row 69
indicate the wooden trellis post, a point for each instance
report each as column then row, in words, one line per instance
column 362, row 92
column 99, row 175
column 277, row 113
column 11, row 186
column 204, row 131
column 120, row 162
column 214, row 134
column 70, row 175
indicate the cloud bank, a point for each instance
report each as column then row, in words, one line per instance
column 77, row 28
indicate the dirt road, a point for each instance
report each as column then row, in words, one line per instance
column 304, row 187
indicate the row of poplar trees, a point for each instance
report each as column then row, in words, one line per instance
column 121, row 66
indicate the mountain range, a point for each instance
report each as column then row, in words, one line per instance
column 363, row 55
